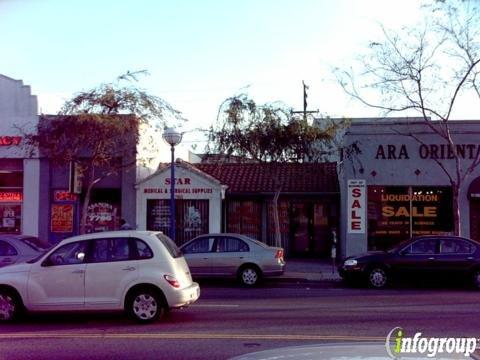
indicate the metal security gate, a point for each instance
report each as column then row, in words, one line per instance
column 245, row 217
column 192, row 218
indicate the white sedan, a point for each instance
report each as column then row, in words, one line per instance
column 143, row 273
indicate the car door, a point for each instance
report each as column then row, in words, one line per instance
column 111, row 267
column 58, row 282
column 229, row 255
column 455, row 256
column 417, row 259
column 8, row 254
column 198, row 254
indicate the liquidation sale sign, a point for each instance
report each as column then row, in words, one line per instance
column 356, row 206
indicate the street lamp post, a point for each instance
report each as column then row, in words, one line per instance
column 172, row 137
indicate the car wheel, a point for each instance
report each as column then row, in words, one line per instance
column 10, row 306
column 249, row 275
column 145, row 305
column 476, row 278
column 377, row 277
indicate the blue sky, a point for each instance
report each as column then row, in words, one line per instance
column 197, row 52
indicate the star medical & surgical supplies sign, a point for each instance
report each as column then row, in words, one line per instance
column 356, row 206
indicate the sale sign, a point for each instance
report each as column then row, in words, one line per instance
column 356, row 206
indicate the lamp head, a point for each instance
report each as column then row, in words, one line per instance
column 172, row 136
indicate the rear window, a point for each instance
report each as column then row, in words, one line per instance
column 259, row 243
column 169, row 245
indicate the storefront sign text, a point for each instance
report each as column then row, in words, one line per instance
column 428, row 151
column 356, row 206
column 64, row 195
column 11, row 196
column 178, row 181
column 178, row 191
column 403, row 211
column 10, row 140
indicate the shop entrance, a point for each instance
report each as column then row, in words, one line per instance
column 475, row 219
column 474, row 196
column 310, row 229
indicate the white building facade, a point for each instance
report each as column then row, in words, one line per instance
column 394, row 187
column 198, row 198
column 21, row 188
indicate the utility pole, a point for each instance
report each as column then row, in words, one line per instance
column 305, row 95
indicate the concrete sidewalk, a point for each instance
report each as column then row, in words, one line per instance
column 308, row 270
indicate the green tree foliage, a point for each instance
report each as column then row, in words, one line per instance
column 268, row 133
column 99, row 130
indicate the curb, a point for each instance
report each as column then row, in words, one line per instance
column 303, row 280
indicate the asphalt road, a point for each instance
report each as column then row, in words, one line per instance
column 229, row 321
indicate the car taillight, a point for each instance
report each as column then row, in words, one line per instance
column 279, row 254
column 172, row 281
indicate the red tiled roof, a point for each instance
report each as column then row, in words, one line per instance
column 259, row 178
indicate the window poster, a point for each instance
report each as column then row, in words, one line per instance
column 62, row 218
column 396, row 213
column 10, row 218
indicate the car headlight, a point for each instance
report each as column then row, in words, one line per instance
column 350, row 262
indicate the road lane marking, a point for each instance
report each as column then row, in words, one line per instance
column 188, row 336
column 216, row 305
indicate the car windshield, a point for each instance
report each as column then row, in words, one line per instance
column 34, row 260
column 170, row 245
column 36, row 243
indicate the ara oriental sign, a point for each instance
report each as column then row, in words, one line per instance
column 356, row 206
column 428, row 151
column 8, row 196
column 10, row 140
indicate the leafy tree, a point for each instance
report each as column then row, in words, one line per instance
column 99, row 131
column 269, row 134
column 426, row 70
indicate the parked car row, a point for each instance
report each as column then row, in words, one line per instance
column 145, row 274
column 141, row 272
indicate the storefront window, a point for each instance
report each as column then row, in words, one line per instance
column 191, row 219
column 245, row 217
column 11, row 198
column 10, row 218
column 104, row 210
column 399, row 212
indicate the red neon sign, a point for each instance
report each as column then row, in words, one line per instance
column 10, row 196
column 10, row 140
column 64, row 195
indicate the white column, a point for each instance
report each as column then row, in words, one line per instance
column 31, row 197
